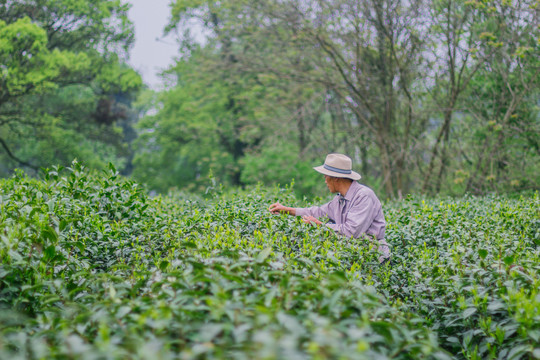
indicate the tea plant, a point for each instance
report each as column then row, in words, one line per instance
column 470, row 267
column 93, row 268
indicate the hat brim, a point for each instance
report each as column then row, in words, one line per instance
column 353, row 175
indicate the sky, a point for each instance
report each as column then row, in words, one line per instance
column 151, row 52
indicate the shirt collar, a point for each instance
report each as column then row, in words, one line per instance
column 353, row 189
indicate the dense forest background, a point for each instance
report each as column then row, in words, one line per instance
column 426, row 96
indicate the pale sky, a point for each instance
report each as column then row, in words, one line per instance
column 151, row 52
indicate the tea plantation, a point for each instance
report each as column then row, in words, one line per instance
column 93, row 268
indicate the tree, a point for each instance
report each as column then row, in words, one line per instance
column 397, row 82
column 503, row 99
column 366, row 53
column 200, row 126
column 50, row 50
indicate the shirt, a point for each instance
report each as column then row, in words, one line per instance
column 358, row 212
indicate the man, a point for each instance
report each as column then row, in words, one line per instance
column 354, row 211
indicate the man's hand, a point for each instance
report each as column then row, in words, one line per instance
column 278, row 208
column 311, row 220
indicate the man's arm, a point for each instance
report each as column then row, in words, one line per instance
column 314, row 211
column 278, row 208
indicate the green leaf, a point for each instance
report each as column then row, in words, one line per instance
column 263, row 254
column 163, row 265
column 189, row 244
column 483, row 253
column 49, row 252
column 534, row 334
column 516, row 352
column 496, row 305
column 469, row 312
column 508, row 260
column 50, row 234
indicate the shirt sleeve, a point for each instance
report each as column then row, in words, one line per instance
column 359, row 218
column 315, row 211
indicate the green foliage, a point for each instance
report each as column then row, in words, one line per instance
column 65, row 90
column 240, row 128
column 28, row 63
column 180, row 144
column 93, row 267
column 100, row 24
column 281, row 165
column 441, row 101
column 204, row 125
column 471, row 268
column 115, row 77
column 403, row 87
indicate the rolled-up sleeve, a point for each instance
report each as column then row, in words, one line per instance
column 358, row 218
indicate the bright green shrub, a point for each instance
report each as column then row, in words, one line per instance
column 91, row 267
column 471, row 267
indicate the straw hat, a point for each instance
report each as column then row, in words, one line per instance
column 338, row 165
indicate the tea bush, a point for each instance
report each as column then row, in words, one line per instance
column 471, row 268
column 93, row 268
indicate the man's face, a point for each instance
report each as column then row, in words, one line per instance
column 331, row 183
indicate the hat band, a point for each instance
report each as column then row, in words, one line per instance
column 341, row 171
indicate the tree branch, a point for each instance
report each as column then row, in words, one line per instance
column 10, row 154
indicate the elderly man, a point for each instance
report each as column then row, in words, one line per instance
column 354, row 211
